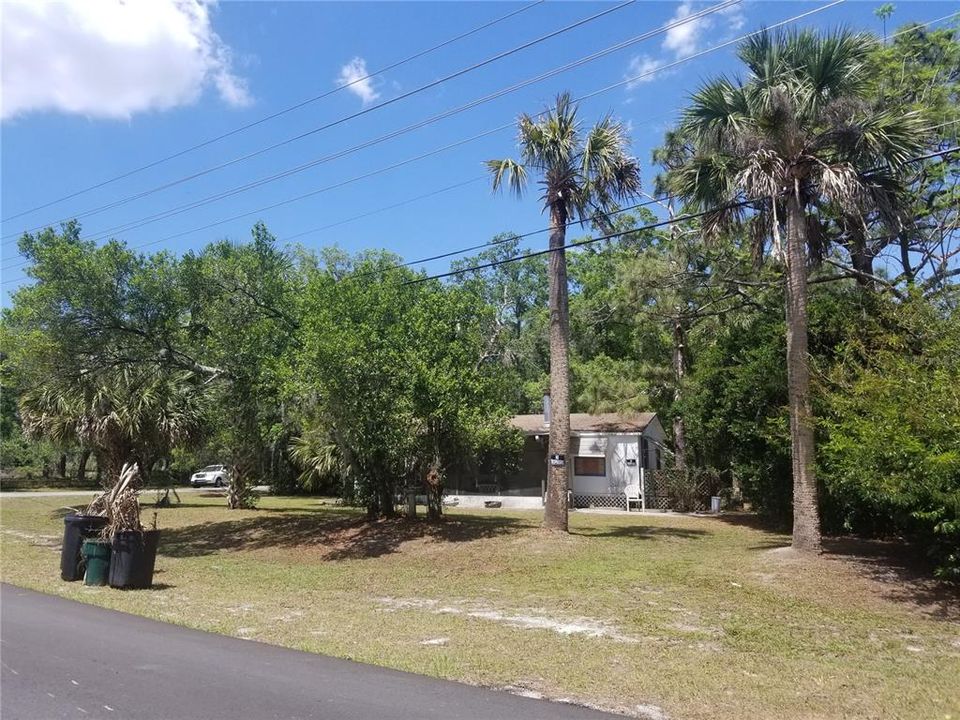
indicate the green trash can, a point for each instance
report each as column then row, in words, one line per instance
column 96, row 556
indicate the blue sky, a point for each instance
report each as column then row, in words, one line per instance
column 90, row 94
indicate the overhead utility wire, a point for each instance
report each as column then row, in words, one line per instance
column 508, row 238
column 284, row 111
column 372, row 108
column 476, row 179
column 397, row 133
column 466, row 140
column 95, row 210
column 394, row 206
column 469, row 139
column 464, row 183
column 676, row 219
column 649, row 226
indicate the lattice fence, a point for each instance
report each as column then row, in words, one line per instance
column 607, row 501
column 681, row 489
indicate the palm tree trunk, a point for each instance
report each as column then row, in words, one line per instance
column 555, row 505
column 679, row 369
column 806, row 512
column 82, row 466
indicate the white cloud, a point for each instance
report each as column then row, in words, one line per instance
column 353, row 75
column 682, row 40
column 642, row 69
column 112, row 58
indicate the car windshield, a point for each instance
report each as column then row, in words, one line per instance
column 210, row 468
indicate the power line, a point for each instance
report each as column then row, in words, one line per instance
column 577, row 243
column 463, row 183
column 228, row 193
column 509, row 238
column 649, row 226
column 914, row 28
column 443, row 149
column 123, row 227
column 474, row 137
column 284, row 111
column 372, row 108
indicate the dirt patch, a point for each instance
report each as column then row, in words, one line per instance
column 37, row 540
column 588, row 627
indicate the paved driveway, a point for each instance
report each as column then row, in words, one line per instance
column 64, row 659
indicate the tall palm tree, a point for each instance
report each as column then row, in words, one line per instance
column 800, row 134
column 583, row 176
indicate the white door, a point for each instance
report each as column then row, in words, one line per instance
column 624, row 458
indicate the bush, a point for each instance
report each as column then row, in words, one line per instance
column 891, row 464
column 686, row 489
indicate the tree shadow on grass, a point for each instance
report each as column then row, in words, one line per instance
column 642, row 532
column 753, row 521
column 903, row 572
column 335, row 534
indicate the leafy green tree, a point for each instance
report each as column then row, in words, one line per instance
column 583, row 176
column 919, row 72
column 892, row 460
column 397, row 378
column 515, row 287
column 95, row 347
column 243, row 319
column 795, row 136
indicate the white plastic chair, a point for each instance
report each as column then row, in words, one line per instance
column 632, row 493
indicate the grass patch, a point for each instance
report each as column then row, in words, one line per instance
column 702, row 617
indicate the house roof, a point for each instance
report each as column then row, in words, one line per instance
column 586, row 423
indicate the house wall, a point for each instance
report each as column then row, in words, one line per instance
column 617, row 450
column 528, row 481
column 656, row 440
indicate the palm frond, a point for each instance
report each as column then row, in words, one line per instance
column 717, row 109
column 509, row 172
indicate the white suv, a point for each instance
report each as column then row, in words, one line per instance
column 215, row 475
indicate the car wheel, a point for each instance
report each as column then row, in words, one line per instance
column 218, row 483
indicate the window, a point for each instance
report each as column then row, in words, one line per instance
column 590, row 466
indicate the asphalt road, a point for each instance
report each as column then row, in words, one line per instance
column 64, row 659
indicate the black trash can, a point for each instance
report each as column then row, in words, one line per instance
column 76, row 529
column 132, row 559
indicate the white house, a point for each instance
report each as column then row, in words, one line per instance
column 607, row 453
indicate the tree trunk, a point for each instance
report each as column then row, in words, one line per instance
column 679, row 369
column 860, row 255
column 806, row 512
column 82, row 466
column 62, row 466
column 555, row 507
column 905, row 258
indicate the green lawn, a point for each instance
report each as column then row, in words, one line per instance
column 689, row 617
